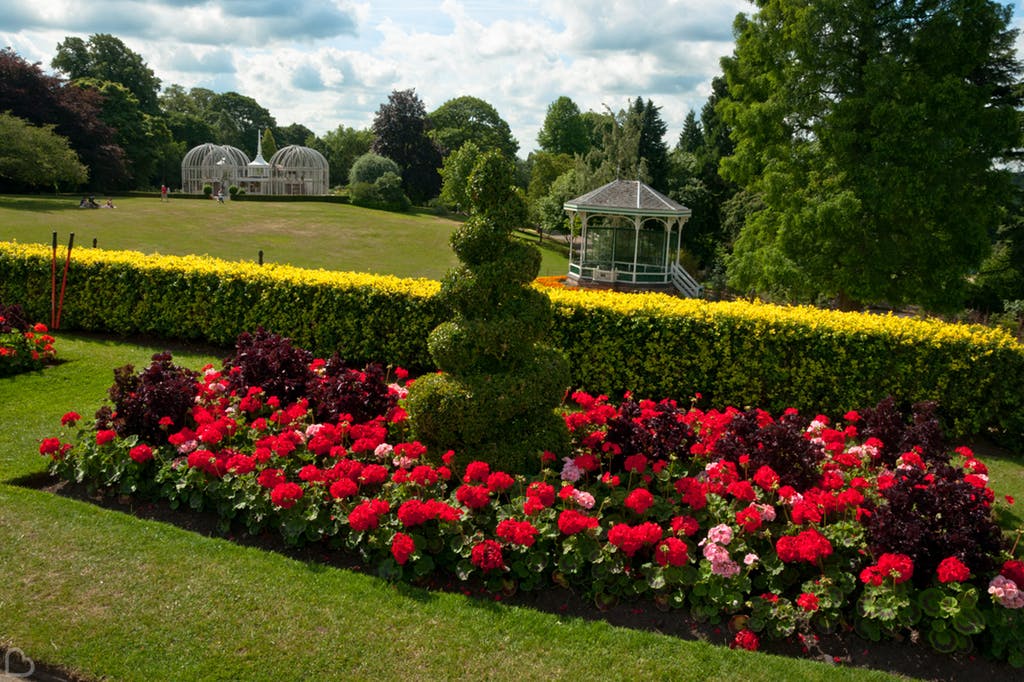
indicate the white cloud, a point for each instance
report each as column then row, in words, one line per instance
column 325, row 64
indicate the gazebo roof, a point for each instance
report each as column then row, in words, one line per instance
column 626, row 197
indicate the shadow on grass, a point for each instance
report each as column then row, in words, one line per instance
column 37, row 204
column 906, row 656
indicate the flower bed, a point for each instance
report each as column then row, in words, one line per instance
column 23, row 346
column 777, row 524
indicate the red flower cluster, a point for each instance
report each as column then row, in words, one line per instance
column 105, row 436
column 415, row 512
column 402, row 547
column 473, row 496
column 571, row 522
column 671, row 552
column 486, row 555
column 631, row 539
column 899, row 567
column 366, row 515
column 639, row 501
column 745, row 639
column 808, row 545
column 807, row 601
column 141, row 453
column 952, row 570
column 514, row 532
column 286, row 494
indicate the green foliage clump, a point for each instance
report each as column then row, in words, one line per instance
column 369, row 167
column 384, row 193
column 494, row 397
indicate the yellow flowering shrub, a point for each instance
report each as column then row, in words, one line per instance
column 738, row 353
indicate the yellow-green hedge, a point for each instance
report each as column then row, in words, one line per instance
column 735, row 353
column 364, row 317
column 753, row 354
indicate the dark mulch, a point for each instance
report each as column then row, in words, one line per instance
column 907, row 657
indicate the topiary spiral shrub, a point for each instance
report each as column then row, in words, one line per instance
column 494, row 397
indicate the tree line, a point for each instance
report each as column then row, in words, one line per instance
column 850, row 153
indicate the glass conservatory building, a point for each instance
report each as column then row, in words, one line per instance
column 292, row 170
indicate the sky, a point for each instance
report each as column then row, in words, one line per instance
column 329, row 63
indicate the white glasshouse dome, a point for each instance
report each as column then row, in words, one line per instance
column 299, row 170
column 219, row 166
column 292, row 170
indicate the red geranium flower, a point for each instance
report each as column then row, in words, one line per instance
column 749, row 519
column 477, row 472
column 141, row 453
column 571, row 522
column 807, row 601
column 745, row 639
column 639, row 501
column 1014, row 570
column 514, row 532
column 402, row 547
column 344, row 487
column 499, row 482
column 105, row 436
column 49, row 446
column 487, row 556
column 473, row 496
column 285, row 495
column 70, row 419
column 671, row 552
column 953, row 570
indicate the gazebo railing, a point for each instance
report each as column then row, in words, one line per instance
column 685, row 283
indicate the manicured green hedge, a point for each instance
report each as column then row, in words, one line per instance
column 364, row 317
column 759, row 355
column 743, row 354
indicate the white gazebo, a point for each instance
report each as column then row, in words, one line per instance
column 629, row 237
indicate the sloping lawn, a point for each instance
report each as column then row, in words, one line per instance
column 304, row 234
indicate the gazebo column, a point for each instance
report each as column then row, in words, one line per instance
column 668, row 246
column 637, row 222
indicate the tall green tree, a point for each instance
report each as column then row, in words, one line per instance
column 35, row 156
column 696, row 182
column 401, row 127
column 40, row 99
column 342, row 146
column 294, row 133
column 145, row 139
column 455, row 176
column 106, row 58
column 237, row 120
column 564, row 130
column 691, row 139
column 268, row 143
column 651, row 146
column 471, row 119
column 870, row 130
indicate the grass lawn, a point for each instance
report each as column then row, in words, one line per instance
column 303, row 234
column 108, row 595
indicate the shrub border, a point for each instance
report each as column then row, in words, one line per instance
column 737, row 353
